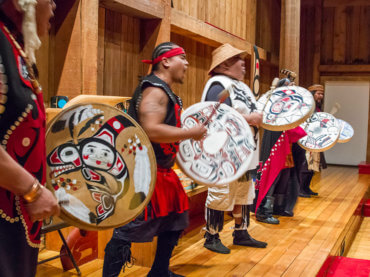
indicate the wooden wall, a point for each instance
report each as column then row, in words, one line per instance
column 118, row 53
column 335, row 43
column 228, row 15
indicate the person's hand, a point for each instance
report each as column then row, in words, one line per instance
column 198, row 132
column 254, row 119
column 44, row 206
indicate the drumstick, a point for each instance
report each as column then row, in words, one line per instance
column 221, row 98
column 335, row 108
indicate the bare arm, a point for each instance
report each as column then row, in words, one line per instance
column 19, row 181
column 254, row 119
column 152, row 113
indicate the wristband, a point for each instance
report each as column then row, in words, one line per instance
column 34, row 192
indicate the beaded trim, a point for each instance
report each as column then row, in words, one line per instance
column 3, row 87
column 18, row 207
column 11, row 129
column 274, row 148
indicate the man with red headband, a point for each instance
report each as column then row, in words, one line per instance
column 157, row 109
column 24, row 201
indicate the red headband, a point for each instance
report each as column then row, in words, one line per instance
column 170, row 53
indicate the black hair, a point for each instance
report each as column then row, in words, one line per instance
column 159, row 50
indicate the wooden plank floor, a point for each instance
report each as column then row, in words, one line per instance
column 296, row 247
column 360, row 248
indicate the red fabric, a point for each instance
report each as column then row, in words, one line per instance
column 276, row 161
column 31, row 156
column 169, row 194
column 171, row 53
column 343, row 266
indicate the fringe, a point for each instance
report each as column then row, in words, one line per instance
column 214, row 221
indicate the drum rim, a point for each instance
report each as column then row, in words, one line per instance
column 75, row 221
column 292, row 125
column 348, row 139
column 321, row 149
column 196, row 180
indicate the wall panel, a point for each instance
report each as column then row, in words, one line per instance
column 119, row 53
column 228, row 15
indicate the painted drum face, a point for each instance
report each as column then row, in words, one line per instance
column 346, row 133
column 224, row 154
column 101, row 166
column 285, row 108
column 322, row 130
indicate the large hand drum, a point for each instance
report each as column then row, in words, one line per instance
column 285, row 108
column 101, row 166
column 346, row 133
column 226, row 151
column 322, row 130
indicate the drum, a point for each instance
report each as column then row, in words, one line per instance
column 225, row 153
column 100, row 166
column 346, row 133
column 285, row 107
column 322, row 130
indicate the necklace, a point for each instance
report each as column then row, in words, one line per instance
column 35, row 84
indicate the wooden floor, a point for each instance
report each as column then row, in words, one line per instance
column 296, row 247
column 360, row 248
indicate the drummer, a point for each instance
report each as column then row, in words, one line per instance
column 227, row 69
column 277, row 192
column 24, row 201
column 157, row 109
column 316, row 161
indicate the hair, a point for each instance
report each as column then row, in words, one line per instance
column 159, row 50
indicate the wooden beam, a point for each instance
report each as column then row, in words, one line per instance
column 149, row 9
column 89, row 47
column 358, row 68
column 289, row 36
column 317, row 42
column 337, row 3
column 251, row 6
column 198, row 30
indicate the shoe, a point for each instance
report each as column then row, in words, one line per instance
column 265, row 210
column 310, row 192
column 214, row 244
column 304, row 195
column 287, row 213
column 173, row 274
column 268, row 220
column 242, row 237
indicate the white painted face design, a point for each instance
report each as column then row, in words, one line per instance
column 98, row 155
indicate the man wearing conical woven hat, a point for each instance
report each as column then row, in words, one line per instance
column 24, row 201
column 227, row 72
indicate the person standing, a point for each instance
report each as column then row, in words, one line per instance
column 228, row 69
column 157, row 109
column 24, row 201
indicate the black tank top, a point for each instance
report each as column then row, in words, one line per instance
column 165, row 153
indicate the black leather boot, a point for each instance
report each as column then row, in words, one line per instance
column 214, row 244
column 242, row 237
column 264, row 211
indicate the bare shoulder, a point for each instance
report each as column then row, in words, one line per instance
column 155, row 95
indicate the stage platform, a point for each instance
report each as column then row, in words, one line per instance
column 298, row 246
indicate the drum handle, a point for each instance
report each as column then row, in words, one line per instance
column 221, row 98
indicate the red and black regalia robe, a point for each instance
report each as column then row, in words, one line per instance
column 22, row 135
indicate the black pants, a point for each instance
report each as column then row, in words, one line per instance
column 117, row 255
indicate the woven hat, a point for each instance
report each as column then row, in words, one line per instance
column 223, row 53
column 316, row 87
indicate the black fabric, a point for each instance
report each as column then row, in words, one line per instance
column 292, row 191
column 165, row 245
column 214, row 90
column 269, row 139
column 214, row 220
column 117, row 255
column 163, row 159
column 145, row 229
column 17, row 258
